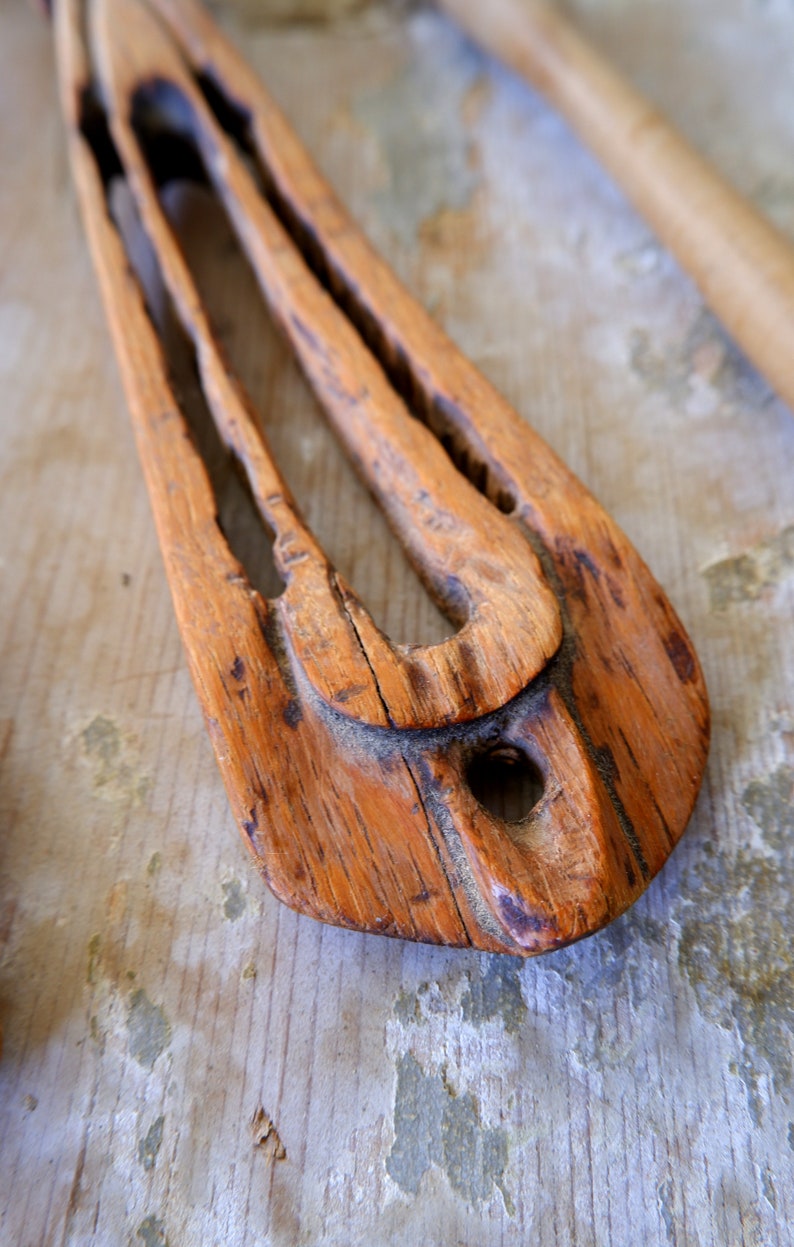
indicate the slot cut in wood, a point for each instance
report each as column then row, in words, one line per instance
column 355, row 765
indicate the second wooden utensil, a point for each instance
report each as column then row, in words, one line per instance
column 742, row 265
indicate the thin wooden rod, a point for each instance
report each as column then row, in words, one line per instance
column 742, row 265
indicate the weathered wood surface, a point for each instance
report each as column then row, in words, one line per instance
column 742, row 265
column 578, row 667
column 185, row 1058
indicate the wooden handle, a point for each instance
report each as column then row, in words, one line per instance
column 742, row 265
column 366, row 822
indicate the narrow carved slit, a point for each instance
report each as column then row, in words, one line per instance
column 316, row 469
column 237, row 515
column 94, row 129
column 236, row 123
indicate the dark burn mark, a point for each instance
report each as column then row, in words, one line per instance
column 628, row 748
column 238, row 668
column 612, row 553
column 680, row 656
column 417, row 678
column 631, row 878
column 470, row 659
column 422, row 897
column 251, row 824
column 584, row 560
column 520, row 922
column 615, row 593
column 292, row 713
column 352, row 690
column 662, row 819
column 310, row 337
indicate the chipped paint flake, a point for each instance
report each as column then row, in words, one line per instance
column 496, row 992
column 149, row 1146
column 148, row 1028
column 266, row 1137
column 738, row 959
column 416, row 120
column 435, row 1126
column 235, row 900
column 152, row 1232
column 747, row 576
column 112, row 756
column 701, row 371
column 94, row 958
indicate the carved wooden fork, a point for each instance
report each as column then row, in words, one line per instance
column 349, row 760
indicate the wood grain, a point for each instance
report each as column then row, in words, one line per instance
column 742, row 264
column 630, row 1088
column 383, row 832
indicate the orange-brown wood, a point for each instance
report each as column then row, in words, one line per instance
column 440, row 516
column 348, row 759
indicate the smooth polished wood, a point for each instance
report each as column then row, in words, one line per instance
column 347, row 759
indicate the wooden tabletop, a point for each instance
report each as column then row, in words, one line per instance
column 186, row 1061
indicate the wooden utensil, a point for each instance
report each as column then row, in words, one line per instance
column 742, row 265
column 351, row 763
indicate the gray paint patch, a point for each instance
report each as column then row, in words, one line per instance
column 110, row 755
column 703, row 354
column 739, row 959
column 744, row 578
column 406, row 1007
column 94, row 958
column 235, row 902
column 770, row 803
column 474, row 1159
column 433, row 1126
column 418, row 1110
column 417, row 121
column 148, row 1029
column 150, row 1145
column 496, row 992
column 152, row 1231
